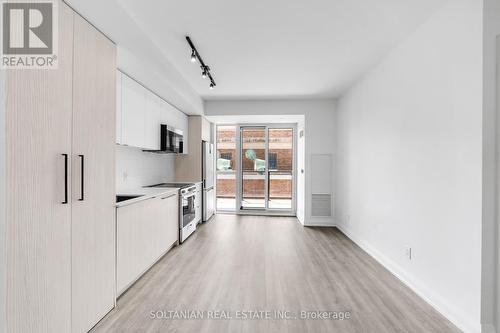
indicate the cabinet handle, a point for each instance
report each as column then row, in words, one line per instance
column 169, row 196
column 65, row 179
column 82, row 179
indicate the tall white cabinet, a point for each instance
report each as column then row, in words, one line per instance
column 93, row 205
column 60, row 134
column 38, row 224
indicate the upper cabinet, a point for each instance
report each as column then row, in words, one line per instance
column 152, row 114
column 118, row 107
column 189, row 168
column 140, row 112
column 133, row 111
column 206, row 130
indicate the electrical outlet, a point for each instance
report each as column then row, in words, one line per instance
column 408, row 252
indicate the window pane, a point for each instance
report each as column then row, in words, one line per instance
column 280, row 168
column 226, row 166
column 253, row 146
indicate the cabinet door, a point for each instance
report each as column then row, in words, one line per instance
column 38, row 224
column 169, row 221
column 152, row 122
column 206, row 129
column 93, row 209
column 133, row 106
column 137, row 241
column 119, row 107
column 197, row 204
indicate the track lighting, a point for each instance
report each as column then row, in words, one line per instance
column 205, row 70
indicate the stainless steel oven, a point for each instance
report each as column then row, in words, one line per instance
column 188, row 206
column 188, row 212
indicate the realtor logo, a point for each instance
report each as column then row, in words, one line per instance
column 29, row 39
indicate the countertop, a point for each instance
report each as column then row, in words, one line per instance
column 145, row 193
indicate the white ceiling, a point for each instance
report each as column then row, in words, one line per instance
column 273, row 48
column 256, row 119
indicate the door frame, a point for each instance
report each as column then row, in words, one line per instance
column 238, row 171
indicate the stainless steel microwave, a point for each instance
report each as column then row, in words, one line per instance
column 171, row 141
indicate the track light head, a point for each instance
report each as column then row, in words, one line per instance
column 205, row 70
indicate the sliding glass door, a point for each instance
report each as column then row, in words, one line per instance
column 280, row 158
column 267, row 168
column 253, row 167
column 256, row 168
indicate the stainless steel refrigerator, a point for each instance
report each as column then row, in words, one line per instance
column 208, row 180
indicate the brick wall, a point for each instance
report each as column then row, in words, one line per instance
column 282, row 188
column 280, row 143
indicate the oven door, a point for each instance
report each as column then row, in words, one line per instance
column 188, row 209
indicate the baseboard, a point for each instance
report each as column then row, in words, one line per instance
column 456, row 316
column 319, row 224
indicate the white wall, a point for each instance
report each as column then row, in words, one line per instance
column 318, row 128
column 135, row 168
column 409, row 161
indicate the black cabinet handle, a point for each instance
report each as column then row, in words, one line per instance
column 65, row 179
column 82, row 160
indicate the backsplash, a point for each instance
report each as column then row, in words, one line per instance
column 135, row 168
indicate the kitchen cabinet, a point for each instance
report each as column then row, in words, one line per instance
column 133, row 106
column 206, row 130
column 142, row 112
column 93, row 197
column 152, row 122
column 198, row 202
column 177, row 119
column 60, row 249
column 38, row 226
column 146, row 230
column 119, row 107
column 188, row 168
column 170, row 209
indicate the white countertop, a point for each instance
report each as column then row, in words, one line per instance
column 145, row 193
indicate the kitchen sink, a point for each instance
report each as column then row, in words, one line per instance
column 120, row 198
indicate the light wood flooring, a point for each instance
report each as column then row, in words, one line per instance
column 245, row 263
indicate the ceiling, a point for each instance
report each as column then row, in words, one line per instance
column 256, row 119
column 270, row 49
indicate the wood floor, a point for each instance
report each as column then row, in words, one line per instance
column 247, row 263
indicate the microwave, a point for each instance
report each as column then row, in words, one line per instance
column 171, row 141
